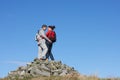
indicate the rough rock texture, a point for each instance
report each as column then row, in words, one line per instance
column 42, row 68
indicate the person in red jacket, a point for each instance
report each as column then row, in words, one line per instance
column 52, row 36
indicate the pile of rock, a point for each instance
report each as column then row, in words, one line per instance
column 42, row 68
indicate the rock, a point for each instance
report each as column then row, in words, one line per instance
column 42, row 68
column 64, row 72
column 22, row 68
column 22, row 73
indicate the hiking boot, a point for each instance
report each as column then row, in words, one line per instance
column 46, row 60
column 42, row 59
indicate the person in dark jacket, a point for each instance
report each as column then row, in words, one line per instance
column 52, row 36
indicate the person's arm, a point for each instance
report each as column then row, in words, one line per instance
column 43, row 35
column 47, row 33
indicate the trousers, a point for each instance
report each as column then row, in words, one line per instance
column 42, row 49
column 49, row 52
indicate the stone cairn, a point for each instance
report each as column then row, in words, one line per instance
column 42, row 68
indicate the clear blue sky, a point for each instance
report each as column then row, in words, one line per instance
column 88, row 33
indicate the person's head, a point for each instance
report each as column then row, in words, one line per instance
column 44, row 27
column 51, row 27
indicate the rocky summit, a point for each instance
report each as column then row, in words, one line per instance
column 42, row 68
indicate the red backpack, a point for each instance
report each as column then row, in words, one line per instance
column 52, row 36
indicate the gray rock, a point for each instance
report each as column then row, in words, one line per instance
column 22, row 73
column 64, row 72
column 22, row 68
column 55, row 74
column 37, row 72
column 43, row 66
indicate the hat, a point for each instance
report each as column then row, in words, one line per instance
column 52, row 27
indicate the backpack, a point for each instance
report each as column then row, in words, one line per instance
column 52, row 36
column 36, row 36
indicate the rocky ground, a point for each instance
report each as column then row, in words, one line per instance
column 42, row 68
column 49, row 70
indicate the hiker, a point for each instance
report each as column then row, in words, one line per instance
column 41, row 38
column 52, row 36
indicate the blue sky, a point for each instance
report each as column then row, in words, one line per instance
column 88, row 33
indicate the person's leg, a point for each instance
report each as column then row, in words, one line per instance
column 51, row 56
column 47, row 55
column 50, row 51
column 45, row 49
column 39, row 52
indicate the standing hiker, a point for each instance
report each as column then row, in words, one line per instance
column 52, row 36
column 41, row 39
